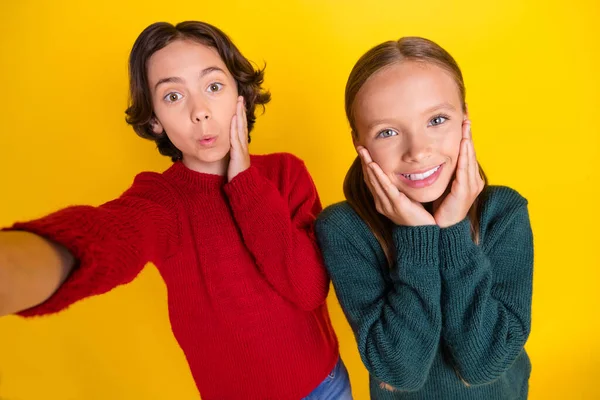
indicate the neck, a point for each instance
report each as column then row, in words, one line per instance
column 218, row 167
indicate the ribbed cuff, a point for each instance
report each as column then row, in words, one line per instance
column 456, row 244
column 75, row 229
column 245, row 189
column 417, row 245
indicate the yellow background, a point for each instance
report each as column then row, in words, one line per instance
column 531, row 70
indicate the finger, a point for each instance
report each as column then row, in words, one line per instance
column 470, row 131
column 390, row 190
column 404, row 202
column 377, row 190
column 365, row 155
column 365, row 169
column 471, row 140
column 241, row 131
column 466, row 132
column 372, row 170
column 233, row 138
column 474, row 175
column 463, row 161
column 245, row 120
column 369, row 178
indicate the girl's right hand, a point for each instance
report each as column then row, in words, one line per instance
column 389, row 201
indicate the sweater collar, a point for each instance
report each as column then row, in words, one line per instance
column 204, row 182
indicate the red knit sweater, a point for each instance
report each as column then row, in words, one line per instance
column 245, row 279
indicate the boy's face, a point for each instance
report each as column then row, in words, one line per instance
column 194, row 98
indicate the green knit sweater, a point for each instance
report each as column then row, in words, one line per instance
column 450, row 318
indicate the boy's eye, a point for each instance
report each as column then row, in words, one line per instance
column 173, row 97
column 215, row 87
column 440, row 119
column 387, row 133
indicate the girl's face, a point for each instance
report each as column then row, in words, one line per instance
column 409, row 117
column 194, row 99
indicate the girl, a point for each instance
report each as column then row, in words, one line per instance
column 432, row 267
column 231, row 234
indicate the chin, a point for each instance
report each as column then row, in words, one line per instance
column 424, row 195
column 212, row 156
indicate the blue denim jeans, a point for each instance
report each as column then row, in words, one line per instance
column 336, row 385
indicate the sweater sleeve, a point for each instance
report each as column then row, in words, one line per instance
column 278, row 229
column 395, row 315
column 111, row 243
column 486, row 295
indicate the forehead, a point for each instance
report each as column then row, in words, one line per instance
column 181, row 57
column 405, row 89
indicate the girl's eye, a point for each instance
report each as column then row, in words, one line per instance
column 387, row 133
column 440, row 119
column 173, row 97
column 215, row 87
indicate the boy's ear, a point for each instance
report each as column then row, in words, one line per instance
column 157, row 127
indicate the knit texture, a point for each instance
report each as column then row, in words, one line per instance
column 245, row 279
column 450, row 318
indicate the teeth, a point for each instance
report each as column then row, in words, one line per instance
column 419, row 177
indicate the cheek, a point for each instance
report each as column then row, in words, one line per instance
column 226, row 143
column 169, row 117
column 228, row 103
column 223, row 111
column 385, row 156
column 451, row 145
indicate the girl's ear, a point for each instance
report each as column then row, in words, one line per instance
column 157, row 127
column 466, row 117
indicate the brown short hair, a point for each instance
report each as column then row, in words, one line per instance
column 159, row 35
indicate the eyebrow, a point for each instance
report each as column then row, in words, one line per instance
column 440, row 106
column 176, row 79
column 437, row 107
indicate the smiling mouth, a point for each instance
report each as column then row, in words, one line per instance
column 421, row 176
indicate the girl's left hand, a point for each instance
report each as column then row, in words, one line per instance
column 466, row 186
column 239, row 157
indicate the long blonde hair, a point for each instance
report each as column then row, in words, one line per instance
column 356, row 191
